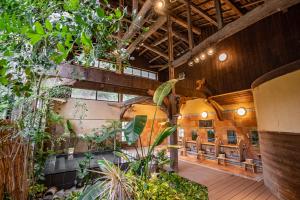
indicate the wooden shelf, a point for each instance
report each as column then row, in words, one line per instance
column 208, row 143
column 229, row 146
column 191, row 141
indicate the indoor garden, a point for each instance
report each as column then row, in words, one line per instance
column 36, row 37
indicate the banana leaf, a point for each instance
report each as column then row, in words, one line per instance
column 162, row 91
column 134, row 128
column 162, row 136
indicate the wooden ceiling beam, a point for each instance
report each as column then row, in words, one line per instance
column 156, row 66
column 156, row 50
column 268, row 8
column 232, row 5
column 158, row 42
column 189, row 20
column 142, row 52
column 219, row 13
column 138, row 22
column 184, row 24
column 200, row 12
column 154, row 59
column 153, row 28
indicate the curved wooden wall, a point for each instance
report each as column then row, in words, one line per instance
column 277, row 102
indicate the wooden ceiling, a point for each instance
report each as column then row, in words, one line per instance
column 153, row 44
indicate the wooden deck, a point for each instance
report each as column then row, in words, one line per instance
column 224, row 186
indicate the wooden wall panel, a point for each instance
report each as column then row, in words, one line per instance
column 281, row 163
column 267, row 45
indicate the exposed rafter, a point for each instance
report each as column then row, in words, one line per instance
column 232, row 5
column 201, row 12
column 156, row 50
column 154, row 27
column 219, row 13
column 138, row 21
column 184, row 24
column 270, row 7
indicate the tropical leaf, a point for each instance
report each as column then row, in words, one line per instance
column 92, row 192
column 134, row 128
column 162, row 136
column 163, row 90
column 39, row 28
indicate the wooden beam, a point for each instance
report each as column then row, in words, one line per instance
column 138, row 21
column 153, row 59
column 158, row 42
column 233, row 7
column 189, row 19
column 157, row 66
column 201, row 12
column 155, row 50
column 98, row 79
column 219, row 13
column 172, row 107
column 268, row 8
column 153, row 28
column 184, row 24
column 142, row 52
column 135, row 7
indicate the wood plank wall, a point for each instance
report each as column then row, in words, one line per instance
column 281, row 163
column 268, row 44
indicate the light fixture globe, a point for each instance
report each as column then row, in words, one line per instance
column 222, row 57
column 210, row 51
column 196, row 60
column 204, row 115
column 159, row 6
column 241, row 111
column 190, row 63
column 202, row 56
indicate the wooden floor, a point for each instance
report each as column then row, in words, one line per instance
column 224, row 186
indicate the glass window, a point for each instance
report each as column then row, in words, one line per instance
column 107, row 65
column 152, row 76
column 254, row 138
column 210, row 135
column 83, row 94
column 128, row 70
column 127, row 97
column 136, row 72
column 231, row 137
column 107, row 96
column 145, row 74
column 123, row 138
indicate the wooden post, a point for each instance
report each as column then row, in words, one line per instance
column 219, row 13
column 172, row 99
column 190, row 32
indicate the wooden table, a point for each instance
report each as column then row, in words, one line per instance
column 251, row 165
column 221, row 161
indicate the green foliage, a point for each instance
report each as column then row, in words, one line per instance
column 134, row 128
column 167, row 186
column 36, row 191
column 74, row 196
column 163, row 90
column 62, row 92
column 38, row 35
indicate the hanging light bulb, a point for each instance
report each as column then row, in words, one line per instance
column 191, row 63
column 159, row 6
column 241, row 111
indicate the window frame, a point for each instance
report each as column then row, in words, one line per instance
column 229, row 137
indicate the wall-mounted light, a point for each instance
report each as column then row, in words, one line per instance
column 202, row 56
column 196, row 60
column 204, row 114
column 179, row 116
column 222, row 57
column 241, row 111
column 142, row 44
column 210, row 51
column 191, row 63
